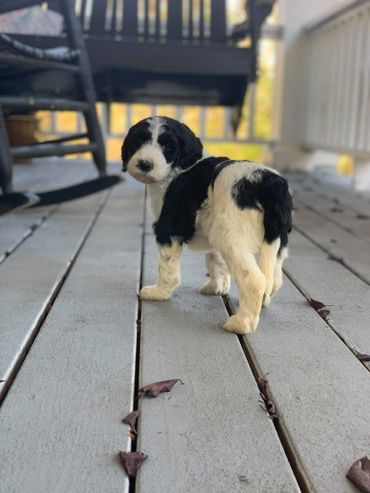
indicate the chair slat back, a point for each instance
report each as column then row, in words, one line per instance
column 193, row 21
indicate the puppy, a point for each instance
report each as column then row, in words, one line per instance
column 231, row 210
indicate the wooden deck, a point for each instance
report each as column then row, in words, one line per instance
column 75, row 345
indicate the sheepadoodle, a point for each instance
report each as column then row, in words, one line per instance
column 234, row 211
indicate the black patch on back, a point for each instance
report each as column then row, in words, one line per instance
column 184, row 197
column 271, row 193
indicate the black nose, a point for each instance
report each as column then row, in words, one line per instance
column 145, row 165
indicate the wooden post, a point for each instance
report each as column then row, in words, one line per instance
column 361, row 179
column 5, row 158
column 74, row 34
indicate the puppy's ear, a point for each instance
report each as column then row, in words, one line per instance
column 191, row 147
column 124, row 155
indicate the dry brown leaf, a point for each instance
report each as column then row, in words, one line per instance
column 363, row 357
column 131, row 419
column 317, row 305
column 132, row 461
column 359, row 474
column 335, row 258
column 156, row 388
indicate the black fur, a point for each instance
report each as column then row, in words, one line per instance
column 184, row 197
column 135, row 138
column 180, row 145
column 272, row 193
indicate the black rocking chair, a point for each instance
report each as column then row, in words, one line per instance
column 33, row 79
column 167, row 55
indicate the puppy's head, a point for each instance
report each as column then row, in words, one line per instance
column 155, row 146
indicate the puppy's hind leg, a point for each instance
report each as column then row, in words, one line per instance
column 251, row 284
column 168, row 273
column 268, row 265
column 219, row 277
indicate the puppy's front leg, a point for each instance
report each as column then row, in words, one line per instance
column 168, row 273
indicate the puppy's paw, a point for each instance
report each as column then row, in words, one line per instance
column 154, row 293
column 240, row 325
column 211, row 288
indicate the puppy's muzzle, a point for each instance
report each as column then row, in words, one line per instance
column 145, row 166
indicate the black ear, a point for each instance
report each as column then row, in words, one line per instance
column 134, row 138
column 124, row 154
column 191, row 147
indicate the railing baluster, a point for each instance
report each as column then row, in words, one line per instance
column 363, row 131
column 201, row 20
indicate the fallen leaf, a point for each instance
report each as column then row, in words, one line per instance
column 359, row 474
column 336, row 209
column 131, row 419
column 333, row 257
column 362, row 216
column 317, row 305
column 269, row 406
column 262, row 382
column 363, row 357
column 156, row 388
column 132, row 461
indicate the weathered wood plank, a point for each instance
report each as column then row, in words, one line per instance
column 341, row 215
column 211, row 430
column 354, row 251
column 30, row 275
column 341, row 207
column 38, row 176
column 77, row 381
column 347, row 297
column 358, row 201
column 322, row 392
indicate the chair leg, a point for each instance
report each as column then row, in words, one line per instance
column 95, row 135
column 74, row 33
column 5, row 158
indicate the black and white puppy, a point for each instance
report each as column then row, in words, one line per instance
column 231, row 210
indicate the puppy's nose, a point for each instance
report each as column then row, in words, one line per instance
column 145, row 165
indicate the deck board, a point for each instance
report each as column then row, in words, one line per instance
column 30, row 276
column 39, row 176
column 347, row 297
column 321, row 391
column 77, row 382
column 334, row 207
column 353, row 250
column 211, row 430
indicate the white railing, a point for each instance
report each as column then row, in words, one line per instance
column 337, row 91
